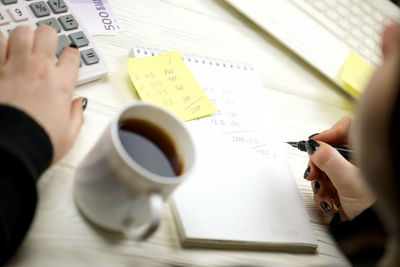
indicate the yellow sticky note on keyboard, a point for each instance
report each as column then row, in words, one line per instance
column 355, row 74
column 166, row 80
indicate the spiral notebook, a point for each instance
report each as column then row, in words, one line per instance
column 241, row 193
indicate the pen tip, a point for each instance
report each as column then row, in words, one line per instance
column 294, row 144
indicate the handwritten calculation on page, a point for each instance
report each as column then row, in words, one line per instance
column 231, row 122
column 165, row 80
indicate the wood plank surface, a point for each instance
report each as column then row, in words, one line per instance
column 300, row 99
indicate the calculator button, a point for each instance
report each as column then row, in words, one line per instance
column 8, row 2
column 63, row 42
column 18, row 13
column 6, row 29
column 51, row 22
column 40, row 9
column 58, row 6
column 89, row 56
column 4, row 18
column 68, row 22
column 79, row 39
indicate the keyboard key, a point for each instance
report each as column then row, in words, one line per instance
column 364, row 51
column 369, row 43
column 333, row 15
column 89, row 56
column 343, row 11
column 378, row 28
column 357, row 33
column 352, row 42
column 378, row 51
column 8, row 2
column 375, row 60
column 79, row 39
column 331, row 3
column 377, row 37
column 378, row 16
column 68, row 22
column 58, row 6
column 6, row 30
column 40, row 9
column 355, row 21
column 367, row 30
column 4, row 18
column 63, row 42
column 344, row 24
column 366, row 7
column 356, row 11
column 51, row 22
column 320, row 6
column 18, row 13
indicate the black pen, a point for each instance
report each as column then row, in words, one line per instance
column 344, row 151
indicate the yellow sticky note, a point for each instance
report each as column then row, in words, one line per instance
column 166, row 80
column 355, row 74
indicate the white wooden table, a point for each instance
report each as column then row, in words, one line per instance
column 302, row 101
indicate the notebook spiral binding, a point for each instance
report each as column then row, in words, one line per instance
column 144, row 52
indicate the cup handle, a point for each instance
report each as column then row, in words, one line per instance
column 132, row 231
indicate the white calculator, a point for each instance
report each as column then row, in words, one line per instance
column 59, row 15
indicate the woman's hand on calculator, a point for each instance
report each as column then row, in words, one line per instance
column 32, row 81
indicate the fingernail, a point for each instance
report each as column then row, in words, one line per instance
column 73, row 46
column 315, row 188
column 307, row 171
column 313, row 135
column 311, row 146
column 325, row 206
column 84, row 103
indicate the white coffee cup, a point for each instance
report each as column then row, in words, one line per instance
column 117, row 193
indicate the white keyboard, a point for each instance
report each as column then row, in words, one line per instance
column 59, row 15
column 359, row 23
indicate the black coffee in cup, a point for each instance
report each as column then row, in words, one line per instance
column 150, row 147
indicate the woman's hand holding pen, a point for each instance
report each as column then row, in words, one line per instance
column 335, row 180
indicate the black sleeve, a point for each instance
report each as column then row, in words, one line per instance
column 362, row 239
column 25, row 153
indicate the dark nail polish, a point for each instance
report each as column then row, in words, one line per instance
column 73, row 46
column 307, row 172
column 325, row 206
column 313, row 135
column 315, row 187
column 311, row 146
column 84, row 103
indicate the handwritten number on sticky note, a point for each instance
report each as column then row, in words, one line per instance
column 168, row 71
column 165, row 80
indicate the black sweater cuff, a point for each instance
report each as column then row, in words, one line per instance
column 21, row 136
column 362, row 239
